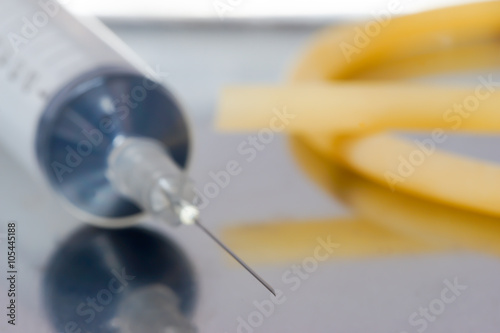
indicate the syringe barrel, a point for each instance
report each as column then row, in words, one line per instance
column 70, row 90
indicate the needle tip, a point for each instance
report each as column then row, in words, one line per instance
column 232, row 254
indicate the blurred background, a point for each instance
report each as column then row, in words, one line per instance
column 278, row 9
column 273, row 213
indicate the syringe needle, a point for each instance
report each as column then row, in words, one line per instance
column 189, row 214
column 238, row 259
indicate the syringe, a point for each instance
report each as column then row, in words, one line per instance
column 110, row 140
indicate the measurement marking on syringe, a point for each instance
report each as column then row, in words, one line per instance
column 3, row 59
column 43, row 94
column 14, row 73
column 4, row 53
column 28, row 83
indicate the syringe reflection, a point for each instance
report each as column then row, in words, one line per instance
column 127, row 280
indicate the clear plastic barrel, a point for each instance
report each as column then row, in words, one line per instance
column 69, row 90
